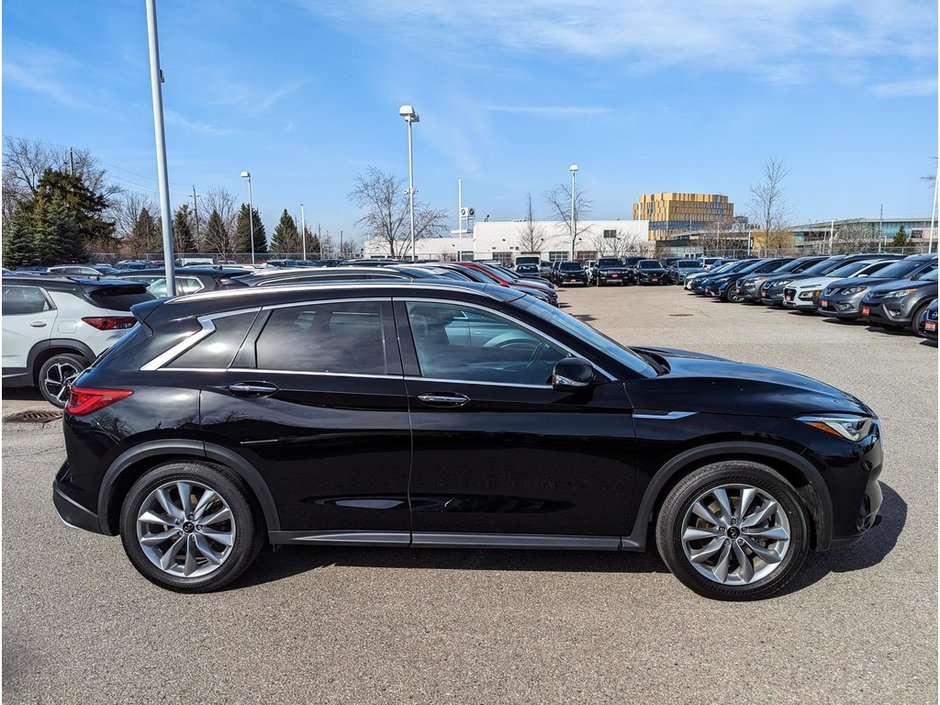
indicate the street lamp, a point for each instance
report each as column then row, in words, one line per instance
column 408, row 112
column 574, row 224
column 251, row 218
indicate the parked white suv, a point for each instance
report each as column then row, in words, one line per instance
column 54, row 327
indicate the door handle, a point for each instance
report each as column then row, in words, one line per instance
column 38, row 324
column 252, row 389
column 452, row 399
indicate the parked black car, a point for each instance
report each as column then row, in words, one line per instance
column 610, row 270
column 899, row 304
column 189, row 280
column 570, row 272
column 928, row 322
column 749, row 287
column 649, row 271
column 438, row 415
column 842, row 299
column 723, row 286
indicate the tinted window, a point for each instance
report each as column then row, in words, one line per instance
column 119, row 298
column 217, row 350
column 899, row 269
column 929, row 275
column 464, row 343
column 650, row 264
column 21, row 300
column 342, row 337
column 184, row 285
column 570, row 266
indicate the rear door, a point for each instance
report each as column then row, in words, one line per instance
column 28, row 318
column 315, row 400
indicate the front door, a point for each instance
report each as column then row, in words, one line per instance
column 28, row 315
column 500, row 457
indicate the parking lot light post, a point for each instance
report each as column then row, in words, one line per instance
column 303, row 231
column 574, row 223
column 251, row 218
column 408, row 112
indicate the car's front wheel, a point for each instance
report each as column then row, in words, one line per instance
column 56, row 376
column 733, row 530
column 190, row 527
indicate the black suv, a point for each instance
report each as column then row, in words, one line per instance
column 437, row 415
column 610, row 270
column 570, row 272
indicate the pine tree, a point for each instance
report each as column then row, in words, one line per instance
column 243, row 231
column 146, row 236
column 183, row 241
column 19, row 240
column 286, row 238
column 85, row 205
column 313, row 244
column 900, row 238
column 217, row 237
column 58, row 234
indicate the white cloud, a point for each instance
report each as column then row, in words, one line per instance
column 174, row 118
column 48, row 73
column 912, row 87
column 558, row 111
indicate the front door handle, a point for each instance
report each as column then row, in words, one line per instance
column 252, row 389
column 450, row 399
column 38, row 324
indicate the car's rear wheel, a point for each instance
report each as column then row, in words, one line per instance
column 56, row 376
column 733, row 530
column 190, row 527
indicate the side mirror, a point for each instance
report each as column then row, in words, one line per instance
column 573, row 374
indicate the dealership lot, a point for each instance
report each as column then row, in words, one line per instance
column 356, row 625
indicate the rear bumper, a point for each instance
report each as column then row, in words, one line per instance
column 71, row 512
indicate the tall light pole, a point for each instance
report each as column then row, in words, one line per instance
column 574, row 223
column 163, row 180
column 251, row 217
column 303, row 231
column 408, row 112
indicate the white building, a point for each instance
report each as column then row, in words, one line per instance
column 504, row 240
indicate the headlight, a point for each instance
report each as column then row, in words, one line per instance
column 748, row 282
column 785, row 282
column 852, row 428
column 899, row 294
column 855, row 290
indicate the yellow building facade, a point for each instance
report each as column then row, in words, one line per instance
column 672, row 212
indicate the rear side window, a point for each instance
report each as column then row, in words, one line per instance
column 118, row 298
column 22, row 300
column 217, row 350
column 340, row 337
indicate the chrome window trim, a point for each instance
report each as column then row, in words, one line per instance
column 533, row 329
column 208, row 327
column 318, row 302
column 666, row 416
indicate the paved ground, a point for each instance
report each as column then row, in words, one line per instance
column 362, row 625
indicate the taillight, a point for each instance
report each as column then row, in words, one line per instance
column 110, row 322
column 84, row 400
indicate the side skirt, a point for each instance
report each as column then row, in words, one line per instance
column 427, row 539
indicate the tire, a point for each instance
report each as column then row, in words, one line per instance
column 234, row 540
column 915, row 319
column 735, row 299
column 749, row 577
column 56, row 376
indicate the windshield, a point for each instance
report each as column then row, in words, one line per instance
column 650, row 264
column 570, row 266
column 612, row 262
column 586, row 333
column 824, row 266
column 848, row 270
column 687, row 264
column 899, row 269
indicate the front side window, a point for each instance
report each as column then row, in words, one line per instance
column 344, row 337
column 23, row 300
column 463, row 343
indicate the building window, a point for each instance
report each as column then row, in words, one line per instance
column 558, row 256
column 610, row 233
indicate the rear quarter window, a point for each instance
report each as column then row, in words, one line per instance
column 218, row 349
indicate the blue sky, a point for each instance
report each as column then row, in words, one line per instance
column 646, row 96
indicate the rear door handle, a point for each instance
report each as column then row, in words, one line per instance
column 38, row 324
column 451, row 399
column 252, row 389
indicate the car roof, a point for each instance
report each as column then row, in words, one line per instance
column 179, row 271
column 66, row 282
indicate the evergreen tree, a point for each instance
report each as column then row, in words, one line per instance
column 183, row 241
column 313, row 244
column 58, row 234
column 146, row 236
column 286, row 238
column 243, row 231
column 217, row 236
column 85, row 205
column 900, row 238
column 19, row 240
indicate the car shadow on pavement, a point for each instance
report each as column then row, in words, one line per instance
column 288, row 561
column 929, row 343
column 868, row 551
column 585, row 317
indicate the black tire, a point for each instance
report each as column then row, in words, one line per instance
column 56, row 376
column 915, row 319
column 677, row 505
column 246, row 525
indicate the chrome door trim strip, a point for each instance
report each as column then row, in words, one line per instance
column 664, row 416
column 531, row 541
column 342, row 538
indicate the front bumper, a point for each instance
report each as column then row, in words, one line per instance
column 792, row 299
column 888, row 312
column 846, row 307
column 928, row 328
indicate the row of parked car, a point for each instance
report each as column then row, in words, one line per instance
column 887, row 290
column 623, row 271
column 56, row 323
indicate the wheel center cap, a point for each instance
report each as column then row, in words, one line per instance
column 189, row 527
column 733, row 532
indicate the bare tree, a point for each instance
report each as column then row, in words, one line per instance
column 768, row 202
column 531, row 236
column 132, row 215
column 620, row 244
column 559, row 201
column 855, row 236
column 721, row 239
column 386, row 212
column 225, row 204
column 24, row 162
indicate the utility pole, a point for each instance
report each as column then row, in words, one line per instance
column 459, row 218
column 340, row 243
column 303, row 230
column 71, row 163
column 196, row 218
column 881, row 228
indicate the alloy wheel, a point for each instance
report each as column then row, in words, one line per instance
column 58, row 380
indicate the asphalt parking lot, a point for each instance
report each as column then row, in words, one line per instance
column 396, row 625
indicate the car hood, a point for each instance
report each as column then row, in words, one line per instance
column 812, row 282
column 855, row 281
column 703, row 383
column 654, row 270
